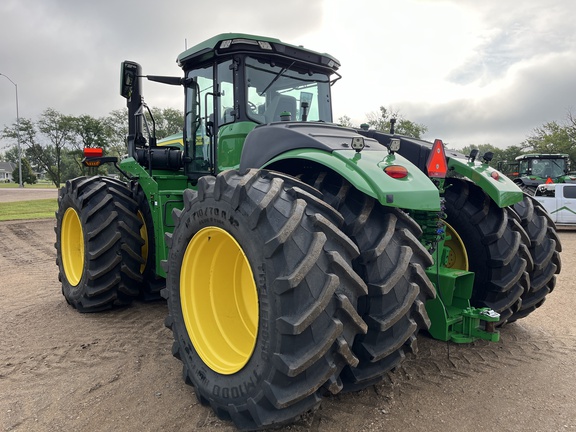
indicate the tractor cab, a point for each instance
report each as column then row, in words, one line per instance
column 543, row 166
column 233, row 83
column 242, row 81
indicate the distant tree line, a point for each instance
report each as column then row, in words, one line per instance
column 551, row 137
column 53, row 145
column 381, row 120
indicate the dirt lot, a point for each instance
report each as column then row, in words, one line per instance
column 63, row 371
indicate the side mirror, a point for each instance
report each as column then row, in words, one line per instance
column 129, row 77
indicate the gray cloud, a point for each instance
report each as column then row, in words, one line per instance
column 520, row 32
column 66, row 54
column 540, row 93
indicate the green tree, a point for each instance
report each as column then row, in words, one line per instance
column 58, row 130
column 44, row 141
column 11, row 155
column 571, row 127
column 553, row 137
column 88, row 131
column 38, row 156
column 382, row 121
column 117, row 124
column 169, row 121
column 507, row 154
column 28, row 175
column 70, row 165
column 345, row 121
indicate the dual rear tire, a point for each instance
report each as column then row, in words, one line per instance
column 513, row 251
column 392, row 263
column 98, row 244
column 262, row 297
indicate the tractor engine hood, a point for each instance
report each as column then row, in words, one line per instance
column 362, row 161
column 499, row 187
column 266, row 142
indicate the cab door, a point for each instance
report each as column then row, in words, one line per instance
column 566, row 205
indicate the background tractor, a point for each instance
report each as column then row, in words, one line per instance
column 298, row 258
column 530, row 170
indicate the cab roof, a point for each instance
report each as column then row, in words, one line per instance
column 542, row 156
column 226, row 44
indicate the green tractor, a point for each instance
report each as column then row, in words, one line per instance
column 530, row 170
column 298, row 258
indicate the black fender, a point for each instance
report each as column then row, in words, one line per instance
column 265, row 142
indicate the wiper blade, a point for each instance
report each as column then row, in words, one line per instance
column 276, row 78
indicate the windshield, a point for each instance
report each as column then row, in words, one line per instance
column 548, row 167
column 274, row 89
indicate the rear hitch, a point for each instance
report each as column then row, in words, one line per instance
column 477, row 323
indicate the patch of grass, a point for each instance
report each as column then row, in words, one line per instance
column 34, row 209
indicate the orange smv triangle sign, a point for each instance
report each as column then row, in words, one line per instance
column 436, row 164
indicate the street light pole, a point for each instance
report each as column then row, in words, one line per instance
column 17, row 132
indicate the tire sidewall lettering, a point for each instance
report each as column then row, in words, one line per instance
column 248, row 381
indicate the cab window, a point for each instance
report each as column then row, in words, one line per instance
column 199, row 119
column 226, row 110
column 274, row 89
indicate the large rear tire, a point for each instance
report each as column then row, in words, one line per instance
column 97, row 243
column 544, row 246
column 262, row 297
column 494, row 241
column 392, row 262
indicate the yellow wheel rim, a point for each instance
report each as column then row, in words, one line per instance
column 219, row 300
column 144, row 235
column 72, row 246
column 457, row 255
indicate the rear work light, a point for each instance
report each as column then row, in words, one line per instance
column 396, row 171
column 436, row 165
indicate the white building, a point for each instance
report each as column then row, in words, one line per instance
column 6, row 170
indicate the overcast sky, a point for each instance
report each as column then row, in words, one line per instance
column 473, row 72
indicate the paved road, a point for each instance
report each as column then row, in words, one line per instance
column 26, row 193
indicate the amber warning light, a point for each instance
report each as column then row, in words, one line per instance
column 436, row 164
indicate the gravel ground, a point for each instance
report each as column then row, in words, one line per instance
column 63, row 371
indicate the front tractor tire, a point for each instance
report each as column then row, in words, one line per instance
column 97, row 244
column 495, row 245
column 261, row 296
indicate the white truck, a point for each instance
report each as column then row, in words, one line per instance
column 559, row 200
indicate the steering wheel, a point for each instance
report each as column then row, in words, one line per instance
column 252, row 107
